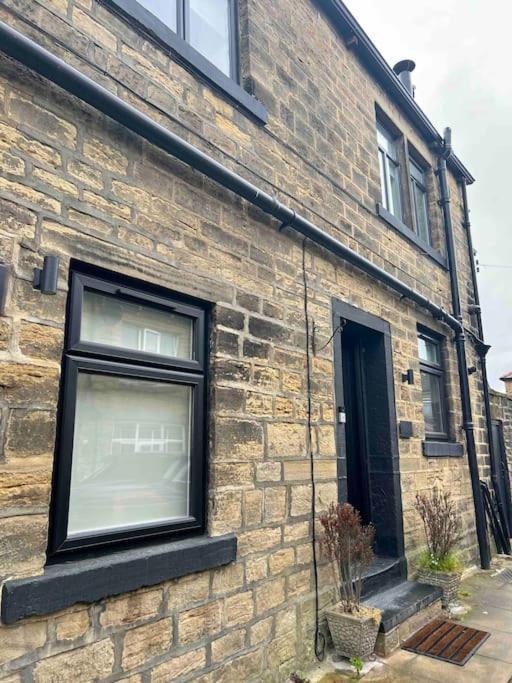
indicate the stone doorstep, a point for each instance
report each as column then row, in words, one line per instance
column 388, row 642
column 405, row 608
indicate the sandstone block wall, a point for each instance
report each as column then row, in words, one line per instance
column 75, row 184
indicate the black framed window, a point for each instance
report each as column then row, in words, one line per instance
column 389, row 172
column 209, row 26
column 130, row 461
column 433, row 386
column 419, row 199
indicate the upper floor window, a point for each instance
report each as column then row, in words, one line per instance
column 419, row 198
column 131, row 447
column 389, row 171
column 209, row 26
column 432, row 386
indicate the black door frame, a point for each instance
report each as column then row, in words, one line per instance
column 342, row 311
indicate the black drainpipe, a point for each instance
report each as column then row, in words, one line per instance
column 482, row 348
column 33, row 56
column 460, row 345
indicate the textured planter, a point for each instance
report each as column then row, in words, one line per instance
column 448, row 582
column 353, row 635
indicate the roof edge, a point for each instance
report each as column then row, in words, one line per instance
column 384, row 74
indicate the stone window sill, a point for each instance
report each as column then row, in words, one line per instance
column 189, row 58
column 411, row 236
column 88, row 580
column 442, row 449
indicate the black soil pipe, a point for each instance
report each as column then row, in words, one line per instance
column 482, row 349
column 33, row 56
column 460, row 345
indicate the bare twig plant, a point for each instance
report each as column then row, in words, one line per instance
column 348, row 544
column 442, row 524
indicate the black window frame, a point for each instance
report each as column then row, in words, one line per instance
column 387, row 200
column 437, row 370
column 414, row 181
column 176, row 44
column 107, row 360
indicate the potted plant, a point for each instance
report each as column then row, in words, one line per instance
column 348, row 544
column 439, row 566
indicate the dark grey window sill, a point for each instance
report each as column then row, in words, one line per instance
column 189, row 58
column 63, row 585
column 442, row 449
column 409, row 234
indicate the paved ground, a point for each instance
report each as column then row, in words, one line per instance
column 487, row 596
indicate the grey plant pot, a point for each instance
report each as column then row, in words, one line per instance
column 448, row 582
column 353, row 635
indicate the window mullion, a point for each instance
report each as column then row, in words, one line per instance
column 183, row 9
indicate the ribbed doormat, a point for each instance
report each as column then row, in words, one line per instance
column 446, row 641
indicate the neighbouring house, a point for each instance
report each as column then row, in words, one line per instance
column 237, row 284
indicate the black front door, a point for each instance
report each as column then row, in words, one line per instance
column 367, row 442
column 356, row 423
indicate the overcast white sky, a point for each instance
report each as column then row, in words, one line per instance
column 463, row 79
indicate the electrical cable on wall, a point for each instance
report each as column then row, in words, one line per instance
column 319, row 636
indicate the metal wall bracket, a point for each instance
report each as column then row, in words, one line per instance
column 46, row 278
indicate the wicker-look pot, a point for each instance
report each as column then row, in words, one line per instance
column 448, row 582
column 353, row 635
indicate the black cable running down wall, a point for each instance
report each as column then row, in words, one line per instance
column 460, row 346
column 319, row 636
column 33, row 56
column 43, row 62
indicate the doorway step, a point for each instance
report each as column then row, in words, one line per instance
column 383, row 573
column 406, row 607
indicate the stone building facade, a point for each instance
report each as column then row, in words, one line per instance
column 113, row 207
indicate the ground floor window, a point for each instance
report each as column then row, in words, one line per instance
column 130, row 461
column 433, row 386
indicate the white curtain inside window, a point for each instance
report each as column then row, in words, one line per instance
column 131, row 453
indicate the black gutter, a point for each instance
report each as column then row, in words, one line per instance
column 384, row 74
column 35, row 57
column 460, row 345
column 482, row 350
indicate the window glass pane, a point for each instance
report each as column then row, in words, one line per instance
column 394, row 183
column 165, row 10
column 421, row 212
column 208, row 31
column 131, row 453
column 112, row 321
column 432, row 406
column 417, row 172
column 429, row 351
column 384, row 139
column 382, row 166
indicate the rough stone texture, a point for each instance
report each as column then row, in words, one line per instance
column 91, row 663
column 448, row 582
column 352, row 635
column 146, row 642
column 131, row 608
column 75, row 184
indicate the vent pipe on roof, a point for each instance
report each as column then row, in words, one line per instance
column 403, row 70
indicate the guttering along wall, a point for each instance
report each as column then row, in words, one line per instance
column 33, row 56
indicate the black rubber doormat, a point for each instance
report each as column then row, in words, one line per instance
column 447, row 641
